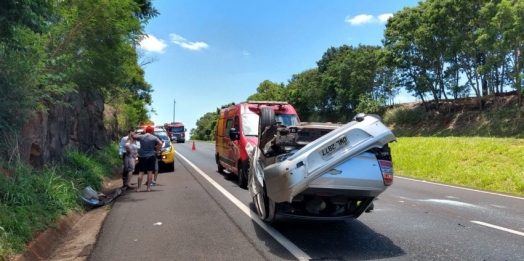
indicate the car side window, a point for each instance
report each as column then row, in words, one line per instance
column 229, row 124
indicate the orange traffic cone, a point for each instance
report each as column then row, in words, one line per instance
column 193, row 148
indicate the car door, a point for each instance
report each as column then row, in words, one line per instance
column 234, row 148
column 220, row 136
column 228, row 146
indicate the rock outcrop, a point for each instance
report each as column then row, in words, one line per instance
column 76, row 124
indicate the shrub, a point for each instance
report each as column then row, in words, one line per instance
column 33, row 199
column 90, row 170
column 402, row 116
column 369, row 105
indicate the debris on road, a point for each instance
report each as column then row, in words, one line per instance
column 92, row 198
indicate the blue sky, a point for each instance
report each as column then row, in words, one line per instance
column 208, row 53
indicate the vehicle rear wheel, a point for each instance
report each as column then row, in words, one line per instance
column 220, row 168
column 265, row 206
column 267, row 118
column 242, row 177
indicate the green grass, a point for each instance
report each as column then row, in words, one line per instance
column 33, row 199
column 494, row 164
column 502, row 123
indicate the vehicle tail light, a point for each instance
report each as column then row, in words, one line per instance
column 386, row 167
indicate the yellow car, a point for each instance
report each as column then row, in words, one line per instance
column 166, row 158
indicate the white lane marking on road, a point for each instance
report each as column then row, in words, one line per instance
column 292, row 248
column 451, row 186
column 499, row 228
column 449, row 202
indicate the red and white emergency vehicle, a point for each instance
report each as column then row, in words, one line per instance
column 243, row 120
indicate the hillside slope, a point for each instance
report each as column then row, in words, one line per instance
column 501, row 118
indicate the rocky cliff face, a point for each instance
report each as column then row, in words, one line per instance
column 78, row 125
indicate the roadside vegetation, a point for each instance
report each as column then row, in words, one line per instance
column 492, row 164
column 57, row 57
column 482, row 150
column 33, row 199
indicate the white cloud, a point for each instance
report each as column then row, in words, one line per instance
column 152, row 44
column 360, row 19
column 383, row 18
column 367, row 19
column 184, row 43
column 245, row 53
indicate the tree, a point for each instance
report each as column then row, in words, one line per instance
column 206, row 122
column 303, row 93
column 61, row 55
column 402, row 51
column 33, row 15
column 268, row 91
column 504, row 34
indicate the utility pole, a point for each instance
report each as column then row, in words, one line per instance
column 174, row 106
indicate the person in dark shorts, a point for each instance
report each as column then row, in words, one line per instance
column 155, row 174
column 150, row 145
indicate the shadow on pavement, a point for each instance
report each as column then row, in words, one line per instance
column 231, row 177
column 273, row 246
column 331, row 240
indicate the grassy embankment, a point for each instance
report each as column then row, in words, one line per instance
column 483, row 150
column 32, row 200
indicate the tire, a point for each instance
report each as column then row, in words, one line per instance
column 370, row 207
column 220, row 168
column 267, row 118
column 265, row 206
column 242, row 177
column 169, row 167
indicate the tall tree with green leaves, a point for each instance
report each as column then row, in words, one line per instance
column 268, row 91
column 503, row 34
column 204, row 123
column 303, row 93
column 402, row 52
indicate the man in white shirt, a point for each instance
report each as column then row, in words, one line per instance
column 122, row 154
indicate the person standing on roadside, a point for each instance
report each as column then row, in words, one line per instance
column 155, row 175
column 131, row 147
column 122, row 155
column 150, row 146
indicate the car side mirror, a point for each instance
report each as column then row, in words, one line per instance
column 233, row 134
column 185, row 129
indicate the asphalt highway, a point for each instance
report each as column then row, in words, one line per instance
column 196, row 213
